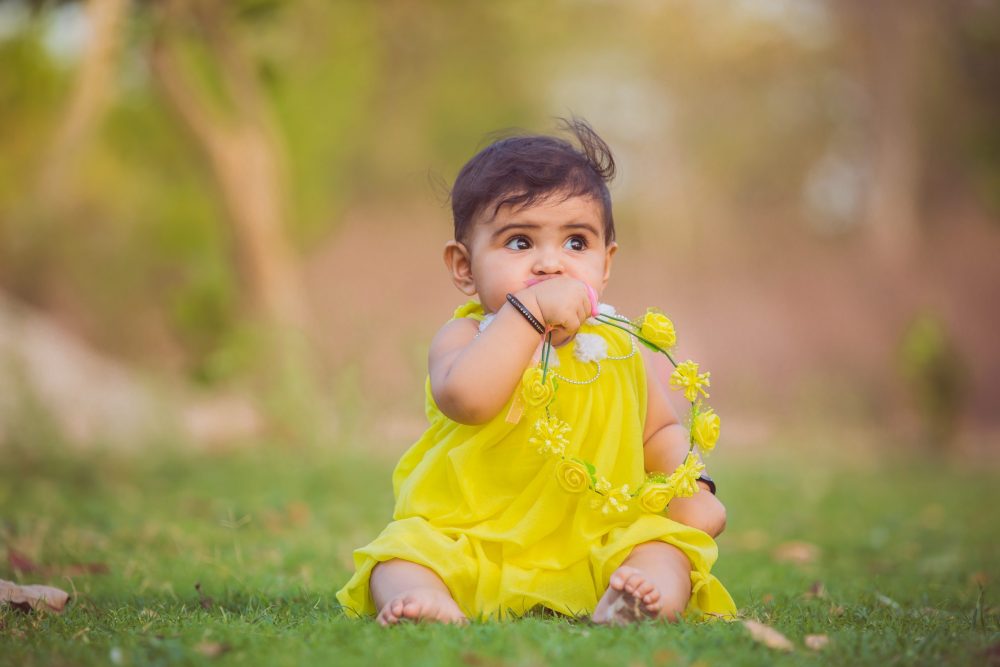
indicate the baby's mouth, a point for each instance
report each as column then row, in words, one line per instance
column 535, row 281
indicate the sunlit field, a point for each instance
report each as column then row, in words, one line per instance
column 221, row 235
column 234, row 558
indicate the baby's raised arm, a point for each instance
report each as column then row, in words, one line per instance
column 666, row 446
column 473, row 377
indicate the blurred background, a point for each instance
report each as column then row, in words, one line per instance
column 222, row 222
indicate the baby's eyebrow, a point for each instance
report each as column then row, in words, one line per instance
column 512, row 226
column 582, row 225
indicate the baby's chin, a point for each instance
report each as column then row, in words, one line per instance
column 491, row 308
column 492, row 303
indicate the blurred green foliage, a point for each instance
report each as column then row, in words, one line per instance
column 718, row 113
column 936, row 377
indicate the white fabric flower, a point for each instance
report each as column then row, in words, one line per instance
column 603, row 309
column 590, row 347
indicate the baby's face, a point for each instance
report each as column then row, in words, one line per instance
column 519, row 247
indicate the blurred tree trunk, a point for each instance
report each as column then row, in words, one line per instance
column 242, row 149
column 245, row 156
column 93, row 90
column 887, row 45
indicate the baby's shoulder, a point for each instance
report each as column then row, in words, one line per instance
column 454, row 333
column 470, row 310
column 458, row 327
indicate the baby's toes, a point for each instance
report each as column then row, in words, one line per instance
column 651, row 597
column 635, row 582
column 620, row 576
column 644, row 588
column 389, row 615
column 411, row 608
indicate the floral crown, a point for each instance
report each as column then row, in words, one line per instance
column 538, row 390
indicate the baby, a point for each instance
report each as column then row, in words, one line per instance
column 493, row 513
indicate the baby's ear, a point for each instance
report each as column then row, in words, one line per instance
column 609, row 253
column 459, row 263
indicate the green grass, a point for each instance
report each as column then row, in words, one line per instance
column 902, row 550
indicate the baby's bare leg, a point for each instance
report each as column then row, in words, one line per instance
column 405, row 590
column 653, row 582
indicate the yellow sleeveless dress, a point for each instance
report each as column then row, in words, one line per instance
column 483, row 508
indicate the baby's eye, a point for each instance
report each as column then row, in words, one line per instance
column 577, row 243
column 518, row 243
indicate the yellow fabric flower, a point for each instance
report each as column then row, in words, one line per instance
column 687, row 377
column 658, row 329
column 705, row 429
column 602, row 486
column 617, row 500
column 572, row 475
column 684, row 480
column 534, row 391
column 655, row 496
column 550, row 436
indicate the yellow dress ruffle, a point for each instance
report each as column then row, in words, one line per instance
column 482, row 508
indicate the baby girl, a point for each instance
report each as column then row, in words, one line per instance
column 501, row 507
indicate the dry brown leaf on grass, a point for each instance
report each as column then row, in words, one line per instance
column 20, row 562
column 800, row 553
column 664, row 657
column 77, row 569
column 212, row 649
column 477, row 660
column 817, row 590
column 816, row 642
column 33, row 597
column 205, row 601
column 979, row 579
column 768, row 636
column 298, row 513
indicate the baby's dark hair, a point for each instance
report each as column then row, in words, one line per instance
column 521, row 170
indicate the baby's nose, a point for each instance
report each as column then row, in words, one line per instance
column 548, row 261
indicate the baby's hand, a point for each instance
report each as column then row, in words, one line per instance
column 564, row 303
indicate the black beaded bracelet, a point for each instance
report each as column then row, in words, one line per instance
column 708, row 480
column 521, row 308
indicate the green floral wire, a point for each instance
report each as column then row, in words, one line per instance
column 651, row 344
column 545, row 354
column 546, row 351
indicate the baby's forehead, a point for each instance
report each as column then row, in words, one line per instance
column 503, row 208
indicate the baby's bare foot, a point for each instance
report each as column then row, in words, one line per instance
column 421, row 604
column 630, row 598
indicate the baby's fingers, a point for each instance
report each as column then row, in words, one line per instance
column 571, row 323
column 587, row 300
